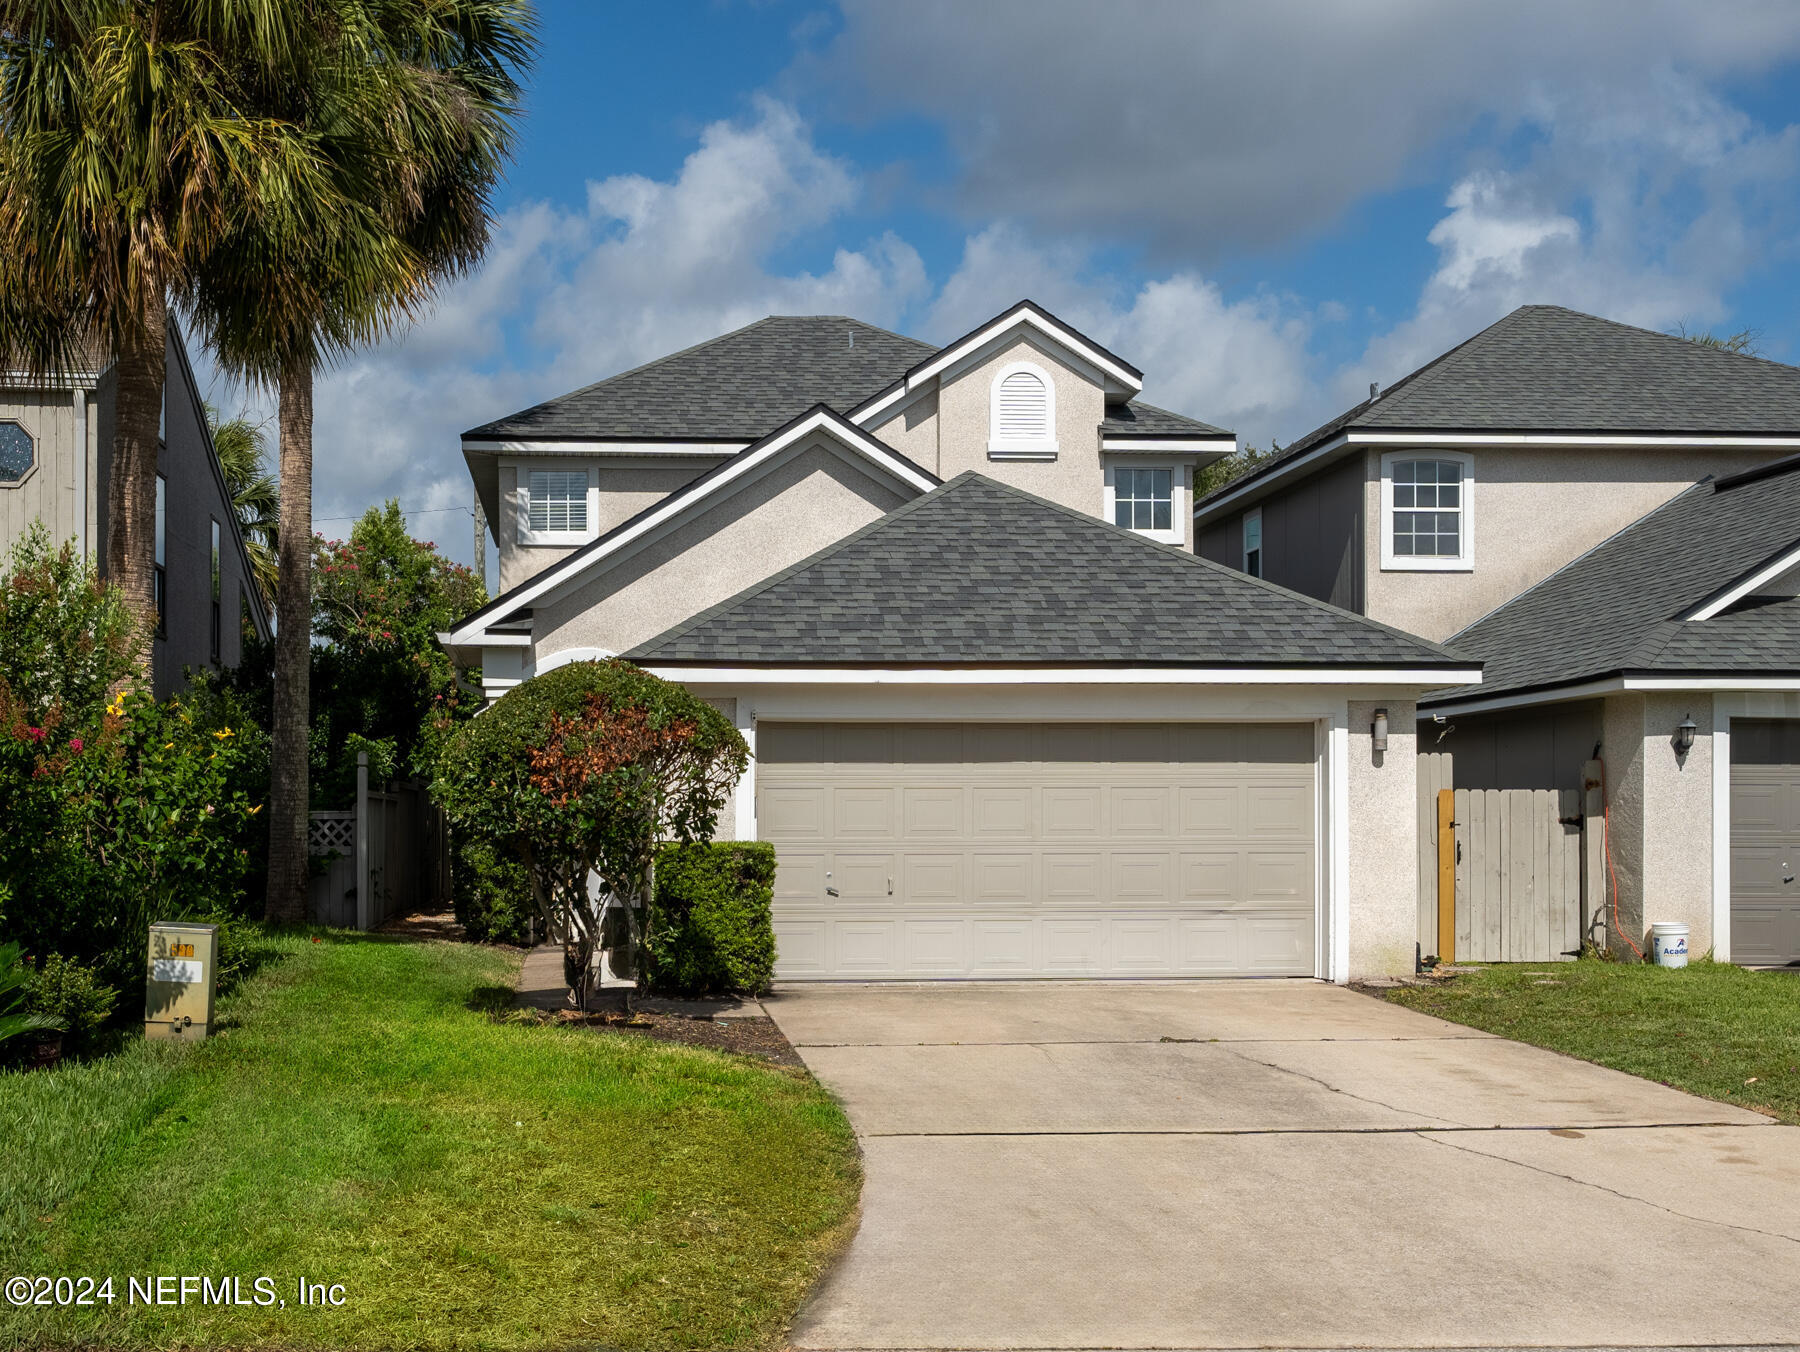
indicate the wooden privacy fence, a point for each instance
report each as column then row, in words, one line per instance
column 387, row 856
column 1507, row 875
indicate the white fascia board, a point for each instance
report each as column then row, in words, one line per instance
column 1186, row 445
column 673, row 508
column 1494, row 439
column 649, row 448
column 1056, row 333
column 1747, row 586
column 1423, row 677
column 1612, row 686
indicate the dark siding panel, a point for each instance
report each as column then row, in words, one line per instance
column 1223, row 542
column 1542, row 748
column 1312, row 536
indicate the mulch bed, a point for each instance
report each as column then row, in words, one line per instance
column 747, row 1037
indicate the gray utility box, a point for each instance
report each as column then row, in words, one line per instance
column 178, row 999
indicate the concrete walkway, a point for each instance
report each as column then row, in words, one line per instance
column 1276, row 1164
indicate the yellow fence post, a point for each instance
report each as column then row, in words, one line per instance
column 1446, row 874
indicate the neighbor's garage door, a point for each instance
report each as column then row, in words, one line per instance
column 1046, row 849
column 1765, row 841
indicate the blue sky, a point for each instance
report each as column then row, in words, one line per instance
column 1263, row 206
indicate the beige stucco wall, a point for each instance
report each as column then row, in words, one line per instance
column 1535, row 509
column 1383, row 841
column 798, row 508
column 626, row 488
column 1660, row 814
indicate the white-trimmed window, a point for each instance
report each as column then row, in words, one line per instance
column 1146, row 499
column 1253, row 542
column 1022, row 423
column 1427, row 511
column 554, row 506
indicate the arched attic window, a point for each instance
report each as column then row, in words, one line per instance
column 1023, row 422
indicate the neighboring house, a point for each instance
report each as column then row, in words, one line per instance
column 1005, row 722
column 55, row 457
column 1530, row 498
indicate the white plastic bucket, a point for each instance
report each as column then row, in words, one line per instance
column 1669, row 941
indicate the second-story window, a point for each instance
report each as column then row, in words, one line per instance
column 1253, row 544
column 217, row 587
column 1144, row 498
column 159, row 574
column 556, row 502
column 1426, row 518
column 1022, row 423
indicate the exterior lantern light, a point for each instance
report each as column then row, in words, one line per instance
column 1684, row 738
column 1379, row 732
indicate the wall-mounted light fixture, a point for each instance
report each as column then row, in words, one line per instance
column 1378, row 732
column 1684, row 738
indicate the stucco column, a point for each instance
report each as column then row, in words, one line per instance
column 1383, row 841
column 1659, row 819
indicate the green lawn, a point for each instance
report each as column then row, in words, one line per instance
column 1710, row 1028
column 470, row 1183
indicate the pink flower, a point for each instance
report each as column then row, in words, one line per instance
column 35, row 734
column 75, row 744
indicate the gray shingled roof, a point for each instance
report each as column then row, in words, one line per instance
column 731, row 388
column 1617, row 608
column 981, row 572
column 1544, row 368
column 1135, row 419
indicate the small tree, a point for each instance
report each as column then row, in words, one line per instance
column 581, row 771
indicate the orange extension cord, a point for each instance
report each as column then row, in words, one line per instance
column 1606, row 847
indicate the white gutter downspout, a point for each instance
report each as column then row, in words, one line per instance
column 81, row 472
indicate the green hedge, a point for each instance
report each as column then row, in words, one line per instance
column 710, row 930
column 490, row 893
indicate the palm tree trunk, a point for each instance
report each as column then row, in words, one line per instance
column 131, row 482
column 288, row 803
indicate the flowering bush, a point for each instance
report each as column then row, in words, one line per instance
column 134, row 812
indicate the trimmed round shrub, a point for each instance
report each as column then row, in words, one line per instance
column 710, row 930
column 74, row 995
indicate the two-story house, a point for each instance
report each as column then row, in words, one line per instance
column 1006, row 722
column 55, row 469
column 1599, row 514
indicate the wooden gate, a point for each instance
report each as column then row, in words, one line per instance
column 1512, row 862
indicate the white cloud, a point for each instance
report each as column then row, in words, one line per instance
column 1204, row 128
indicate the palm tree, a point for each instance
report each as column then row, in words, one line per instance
column 408, row 106
column 243, row 451
column 130, row 143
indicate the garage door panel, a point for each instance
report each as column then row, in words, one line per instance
column 938, row 810
column 1765, row 841
column 1142, row 810
column 1278, row 875
column 1001, row 948
column 1072, row 810
column 1211, row 810
column 1143, row 947
column 1040, row 849
column 1211, row 876
column 1002, row 811
column 933, row 879
column 1282, row 811
column 1142, row 877
column 1069, row 879
column 863, row 813
column 1000, row 878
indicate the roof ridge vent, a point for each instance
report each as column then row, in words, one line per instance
column 852, row 333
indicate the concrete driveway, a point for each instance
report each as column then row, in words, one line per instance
column 1276, row 1164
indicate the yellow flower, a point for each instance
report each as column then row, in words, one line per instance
column 168, row 746
column 256, row 809
column 222, row 733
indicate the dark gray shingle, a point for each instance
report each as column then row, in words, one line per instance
column 731, row 388
column 1617, row 608
column 1544, row 368
column 1138, row 419
column 980, row 572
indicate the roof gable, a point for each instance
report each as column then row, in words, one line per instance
column 1623, row 606
column 668, row 512
column 731, row 388
column 1546, row 369
column 979, row 572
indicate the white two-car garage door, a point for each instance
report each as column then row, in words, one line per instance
column 921, row 850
